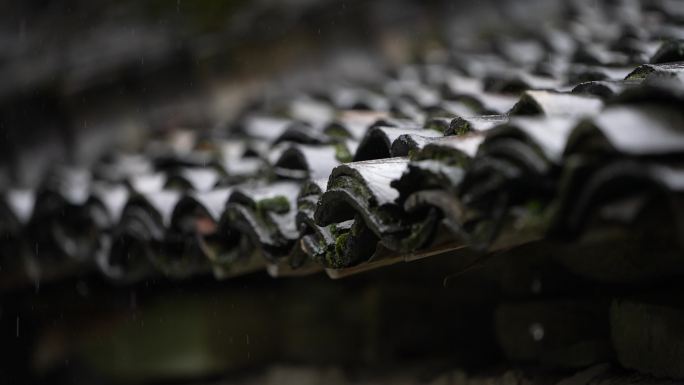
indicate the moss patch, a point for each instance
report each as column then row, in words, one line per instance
column 342, row 153
column 278, row 204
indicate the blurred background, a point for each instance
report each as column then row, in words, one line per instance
column 80, row 78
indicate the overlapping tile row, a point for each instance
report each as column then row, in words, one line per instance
column 497, row 143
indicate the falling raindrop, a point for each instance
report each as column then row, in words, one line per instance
column 33, row 270
column 17, row 326
column 537, row 331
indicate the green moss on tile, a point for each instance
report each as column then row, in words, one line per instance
column 277, row 204
column 342, row 153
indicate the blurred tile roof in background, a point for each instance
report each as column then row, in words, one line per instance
column 542, row 162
